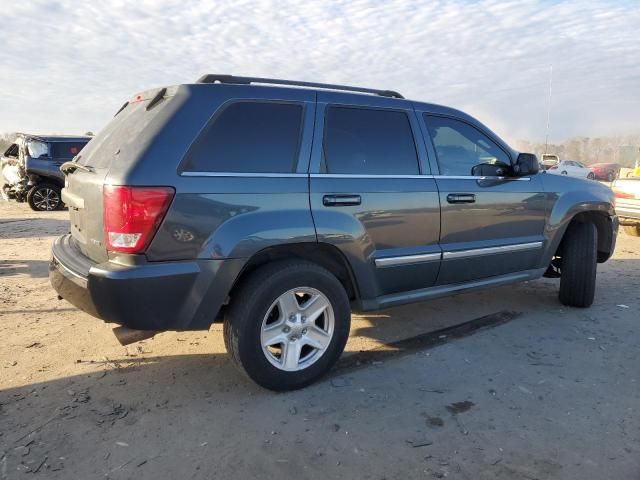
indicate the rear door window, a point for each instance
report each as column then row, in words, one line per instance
column 368, row 141
column 249, row 137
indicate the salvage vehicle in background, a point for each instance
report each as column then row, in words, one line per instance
column 627, row 192
column 572, row 168
column 280, row 206
column 605, row 171
column 31, row 168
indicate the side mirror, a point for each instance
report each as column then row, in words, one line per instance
column 489, row 170
column 526, row 164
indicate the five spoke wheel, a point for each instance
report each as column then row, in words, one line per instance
column 297, row 329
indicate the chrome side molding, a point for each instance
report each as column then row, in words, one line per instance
column 407, row 259
column 476, row 252
column 449, row 255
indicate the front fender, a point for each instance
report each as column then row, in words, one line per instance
column 568, row 197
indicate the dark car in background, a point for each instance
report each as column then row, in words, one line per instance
column 605, row 171
column 280, row 206
column 31, row 168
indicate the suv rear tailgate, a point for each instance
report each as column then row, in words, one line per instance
column 113, row 147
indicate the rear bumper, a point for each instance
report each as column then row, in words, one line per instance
column 153, row 296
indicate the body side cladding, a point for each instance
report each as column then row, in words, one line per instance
column 438, row 291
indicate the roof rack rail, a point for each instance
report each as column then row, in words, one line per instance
column 217, row 78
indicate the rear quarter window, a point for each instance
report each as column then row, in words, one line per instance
column 249, row 137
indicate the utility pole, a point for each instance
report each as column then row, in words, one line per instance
column 546, row 137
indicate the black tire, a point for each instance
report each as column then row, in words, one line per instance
column 591, row 176
column 250, row 303
column 611, row 176
column 579, row 262
column 45, row 197
column 564, row 172
column 633, row 230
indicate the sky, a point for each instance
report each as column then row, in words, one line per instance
column 67, row 66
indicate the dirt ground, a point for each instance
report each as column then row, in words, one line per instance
column 547, row 392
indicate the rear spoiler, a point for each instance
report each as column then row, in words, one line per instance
column 154, row 95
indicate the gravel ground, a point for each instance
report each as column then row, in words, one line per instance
column 547, row 392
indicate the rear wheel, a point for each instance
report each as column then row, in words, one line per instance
column 578, row 268
column 287, row 324
column 44, row 197
column 564, row 172
column 611, row 176
column 591, row 176
column 633, row 230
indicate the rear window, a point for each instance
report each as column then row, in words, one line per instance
column 368, row 141
column 66, row 150
column 249, row 137
column 124, row 128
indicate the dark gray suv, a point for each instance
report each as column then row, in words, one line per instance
column 280, row 206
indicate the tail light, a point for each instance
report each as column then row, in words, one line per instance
column 132, row 216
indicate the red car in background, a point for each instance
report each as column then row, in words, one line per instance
column 605, row 171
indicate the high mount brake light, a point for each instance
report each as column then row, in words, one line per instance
column 132, row 216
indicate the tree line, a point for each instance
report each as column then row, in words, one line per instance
column 621, row 149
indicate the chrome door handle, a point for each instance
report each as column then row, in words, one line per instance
column 341, row 200
column 461, row 198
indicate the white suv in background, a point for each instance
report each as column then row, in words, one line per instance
column 572, row 168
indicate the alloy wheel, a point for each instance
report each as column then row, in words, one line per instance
column 46, row 199
column 297, row 329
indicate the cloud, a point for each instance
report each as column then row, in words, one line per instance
column 67, row 66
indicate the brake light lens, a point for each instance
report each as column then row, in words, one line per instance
column 132, row 216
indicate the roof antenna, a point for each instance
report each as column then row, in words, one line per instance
column 546, row 137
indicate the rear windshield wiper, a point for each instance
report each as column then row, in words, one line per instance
column 70, row 167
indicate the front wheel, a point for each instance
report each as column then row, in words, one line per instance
column 611, row 177
column 578, row 267
column 591, row 176
column 287, row 324
column 44, row 197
